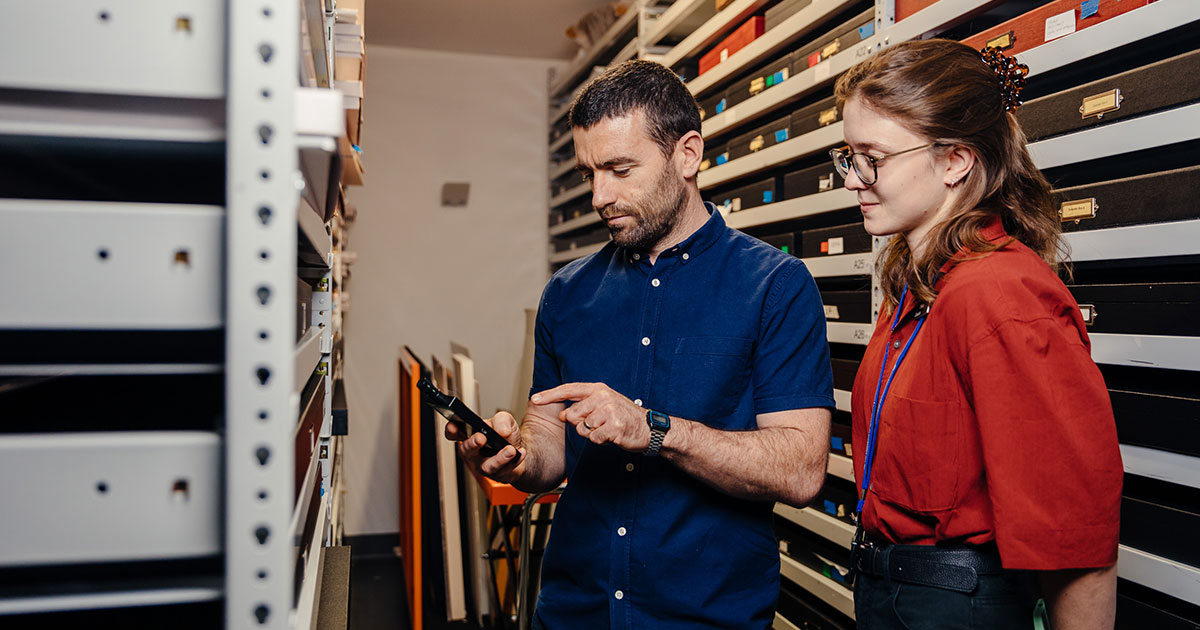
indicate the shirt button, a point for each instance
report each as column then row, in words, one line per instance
column 638, row 402
column 619, row 594
column 629, row 466
column 637, row 256
column 896, row 344
column 646, row 341
column 685, row 256
column 621, row 531
column 655, row 282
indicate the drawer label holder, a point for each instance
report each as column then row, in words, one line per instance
column 1078, row 210
column 1100, row 104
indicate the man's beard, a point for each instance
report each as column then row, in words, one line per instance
column 655, row 215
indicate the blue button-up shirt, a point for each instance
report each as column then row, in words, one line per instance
column 720, row 329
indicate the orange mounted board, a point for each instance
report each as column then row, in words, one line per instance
column 409, row 455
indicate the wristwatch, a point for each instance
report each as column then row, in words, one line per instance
column 659, row 423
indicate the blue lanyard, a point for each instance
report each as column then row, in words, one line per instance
column 877, row 403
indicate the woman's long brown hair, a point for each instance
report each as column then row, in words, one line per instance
column 943, row 90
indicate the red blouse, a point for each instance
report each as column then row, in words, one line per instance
column 998, row 425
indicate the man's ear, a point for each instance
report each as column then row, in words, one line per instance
column 689, row 152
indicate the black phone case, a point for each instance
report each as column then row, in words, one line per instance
column 455, row 410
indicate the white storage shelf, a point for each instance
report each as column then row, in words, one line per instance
column 818, row 585
column 565, row 227
column 836, row 531
column 578, row 252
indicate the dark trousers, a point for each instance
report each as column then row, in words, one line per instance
column 1001, row 602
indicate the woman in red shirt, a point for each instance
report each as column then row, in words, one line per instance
column 991, row 470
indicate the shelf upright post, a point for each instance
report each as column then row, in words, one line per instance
column 260, row 402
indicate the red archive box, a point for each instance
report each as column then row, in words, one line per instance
column 1049, row 22
column 749, row 31
column 905, row 8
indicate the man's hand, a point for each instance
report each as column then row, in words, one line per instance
column 505, row 466
column 600, row 414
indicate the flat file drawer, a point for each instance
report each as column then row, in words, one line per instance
column 750, row 196
column 812, row 180
column 815, row 116
column 804, row 611
column 844, row 37
column 1155, row 408
column 110, row 497
column 1162, row 85
column 768, row 76
column 1153, row 198
column 844, row 372
column 1029, row 30
column 135, row 47
column 1161, row 308
column 785, row 243
column 851, row 238
column 113, row 265
column 1140, row 607
column 765, row 136
column 1161, row 518
column 847, row 306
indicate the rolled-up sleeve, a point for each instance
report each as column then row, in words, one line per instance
column 1049, row 446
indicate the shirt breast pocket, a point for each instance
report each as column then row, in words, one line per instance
column 708, row 377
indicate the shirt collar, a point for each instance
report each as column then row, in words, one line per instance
column 993, row 232
column 693, row 245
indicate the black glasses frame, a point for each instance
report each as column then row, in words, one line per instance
column 843, row 161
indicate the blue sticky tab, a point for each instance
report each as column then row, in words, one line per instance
column 837, row 443
column 720, row 106
column 781, row 135
column 830, row 507
column 778, row 76
column 768, row 196
column 866, row 30
column 837, row 575
column 723, row 158
column 1088, row 8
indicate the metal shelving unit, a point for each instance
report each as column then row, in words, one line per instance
column 175, row 289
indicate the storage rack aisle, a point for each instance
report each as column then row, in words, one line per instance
column 1116, row 135
column 169, row 340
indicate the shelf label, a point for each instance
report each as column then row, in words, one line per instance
column 1060, row 25
column 837, row 245
column 831, row 312
column 827, row 117
column 1088, row 311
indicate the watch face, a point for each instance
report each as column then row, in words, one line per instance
column 658, row 420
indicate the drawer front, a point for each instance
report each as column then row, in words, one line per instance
column 844, row 37
column 765, row 136
column 847, row 306
column 1134, row 93
column 1153, row 198
column 815, row 116
column 782, row 11
column 1029, row 30
column 1158, row 518
column 834, row 241
column 783, row 242
column 1167, row 308
column 746, row 197
column 111, row 497
column 762, row 79
column 97, row 269
column 133, row 47
column 810, row 181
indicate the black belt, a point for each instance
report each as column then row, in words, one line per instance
column 951, row 568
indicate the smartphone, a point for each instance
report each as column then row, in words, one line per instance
column 459, row 413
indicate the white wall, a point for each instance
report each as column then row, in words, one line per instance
column 425, row 274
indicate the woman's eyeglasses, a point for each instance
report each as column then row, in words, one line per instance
column 866, row 166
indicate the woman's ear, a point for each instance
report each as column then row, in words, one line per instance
column 960, row 162
column 689, row 151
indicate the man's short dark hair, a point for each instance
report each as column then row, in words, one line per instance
column 670, row 109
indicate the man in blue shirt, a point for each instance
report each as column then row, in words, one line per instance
column 681, row 381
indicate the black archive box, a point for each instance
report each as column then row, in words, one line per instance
column 832, row 241
column 810, row 181
column 1155, row 408
column 783, row 242
column 844, row 37
column 713, row 105
column 1153, row 198
column 782, row 11
column 1140, row 607
column 804, row 610
column 847, row 306
column 844, row 371
column 1161, row 85
column 815, row 116
column 768, row 76
column 1160, row 518
column 765, row 136
column 1157, row 308
column 716, row 156
column 750, row 196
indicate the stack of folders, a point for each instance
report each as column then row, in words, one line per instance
column 349, row 58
